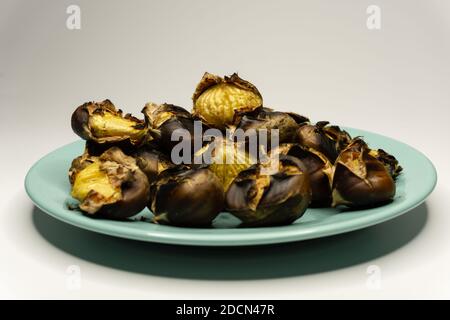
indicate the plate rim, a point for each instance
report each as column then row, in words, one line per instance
column 239, row 236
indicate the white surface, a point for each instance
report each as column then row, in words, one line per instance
column 316, row 58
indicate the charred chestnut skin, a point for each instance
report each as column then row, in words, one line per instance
column 389, row 161
column 165, row 119
column 81, row 125
column 261, row 200
column 152, row 162
column 319, row 169
column 267, row 119
column 134, row 185
column 312, row 136
column 341, row 138
column 186, row 197
column 360, row 180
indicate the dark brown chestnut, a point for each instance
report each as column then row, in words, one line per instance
column 165, row 119
column 103, row 123
column 186, row 197
column 267, row 119
column 389, row 161
column 152, row 162
column 341, row 138
column 360, row 180
column 314, row 137
column 319, row 169
column 261, row 198
column 110, row 186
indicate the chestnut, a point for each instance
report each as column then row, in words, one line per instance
column 217, row 100
column 341, row 138
column 110, row 186
column 260, row 198
column 360, row 180
column 267, row 119
column 186, row 197
column 226, row 158
column 389, row 161
column 165, row 119
column 318, row 167
column 103, row 123
column 152, row 162
column 314, row 137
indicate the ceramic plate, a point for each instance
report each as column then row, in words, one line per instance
column 48, row 187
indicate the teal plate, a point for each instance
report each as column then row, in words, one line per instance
column 48, row 187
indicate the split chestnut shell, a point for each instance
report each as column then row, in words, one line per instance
column 360, row 180
column 186, row 197
column 110, row 186
column 102, row 123
column 218, row 100
column 261, row 198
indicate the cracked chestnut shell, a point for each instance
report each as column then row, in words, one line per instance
column 218, row 100
column 102, row 123
column 152, row 162
column 314, row 137
column 266, row 119
column 165, row 119
column 186, row 197
column 226, row 158
column 341, row 138
column 260, row 198
column 360, row 180
column 319, row 169
column 389, row 161
column 110, row 186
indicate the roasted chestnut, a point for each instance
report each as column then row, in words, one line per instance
column 110, row 186
column 260, row 199
column 267, row 119
column 318, row 167
column 167, row 119
column 186, row 197
column 102, row 123
column 226, row 158
column 340, row 137
column 389, row 161
column 152, row 162
column 217, row 100
column 314, row 137
column 360, row 180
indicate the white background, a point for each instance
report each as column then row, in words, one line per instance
column 316, row 58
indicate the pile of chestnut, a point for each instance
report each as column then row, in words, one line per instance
column 128, row 162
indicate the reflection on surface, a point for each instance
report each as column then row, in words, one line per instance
column 233, row 263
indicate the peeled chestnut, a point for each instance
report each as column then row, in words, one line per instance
column 217, row 100
column 186, row 197
column 389, row 161
column 314, row 137
column 167, row 119
column 267, row 119
column 110, row 186
column 102, row 123
column 152, row 162
column 360, row 180
column 262, row 198
column 319, row 169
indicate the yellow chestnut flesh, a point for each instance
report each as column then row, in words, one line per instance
column 93, row 178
